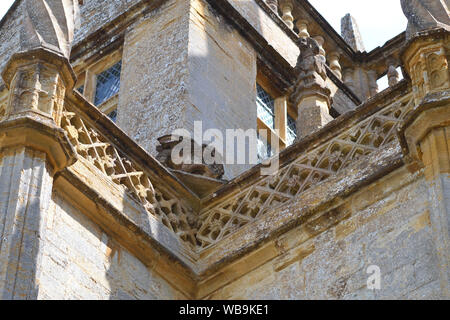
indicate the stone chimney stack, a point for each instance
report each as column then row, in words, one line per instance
column 350, row 33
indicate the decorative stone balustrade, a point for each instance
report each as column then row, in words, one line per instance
column 286, row 9
column 392, row 73
column 302, row 26
column 310, row 168
column 367, row 67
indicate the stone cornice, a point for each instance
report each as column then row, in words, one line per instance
column 114, row 30
column 38, row 134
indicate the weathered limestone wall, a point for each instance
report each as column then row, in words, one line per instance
column 222, row 76
column 183, row 64
column 93, row 19
column 386, row 224
column 80, row 261
column 264, row 24
column 340, row 101
column 153, row 93
column 25, row 190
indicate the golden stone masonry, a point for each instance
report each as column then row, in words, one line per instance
column 93, row 205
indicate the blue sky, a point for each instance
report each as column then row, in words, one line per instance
column 378, row 20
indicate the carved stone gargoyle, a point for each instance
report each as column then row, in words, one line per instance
column 49, row 24
column 196, row 165
column 310, row 72
column 425, row 15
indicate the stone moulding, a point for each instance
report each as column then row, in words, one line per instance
column 43, row 56
column 437, row 103
column 33, row 133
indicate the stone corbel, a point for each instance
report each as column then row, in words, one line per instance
column 425, row 134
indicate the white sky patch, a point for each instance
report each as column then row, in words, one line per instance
column 379, row 21
column 4, row 6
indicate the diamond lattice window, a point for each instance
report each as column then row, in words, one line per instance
column 108, row 83
column 265, row 104
column 291, row 130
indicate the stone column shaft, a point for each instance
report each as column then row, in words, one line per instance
column 25, row 193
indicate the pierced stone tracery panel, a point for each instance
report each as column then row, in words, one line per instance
column 311, row 168
column 94, row 147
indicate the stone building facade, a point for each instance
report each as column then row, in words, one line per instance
column 92, row 207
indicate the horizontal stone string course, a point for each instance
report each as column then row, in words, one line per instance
column 94, row 147
column 309, row 169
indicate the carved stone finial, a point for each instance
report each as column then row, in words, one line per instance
column 311, row 94
column 50, row 24
column 350, row 33
column 310, row 71
column 426, row 14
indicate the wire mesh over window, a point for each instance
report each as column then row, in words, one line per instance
column 265, row 104
column 108, row 83
column 291, row 130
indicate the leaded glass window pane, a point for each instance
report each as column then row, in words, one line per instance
column 264, row 149
column 113, row 115
column 291, row 130
column 265, row 104
column 81, row 89
column 108, row 83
